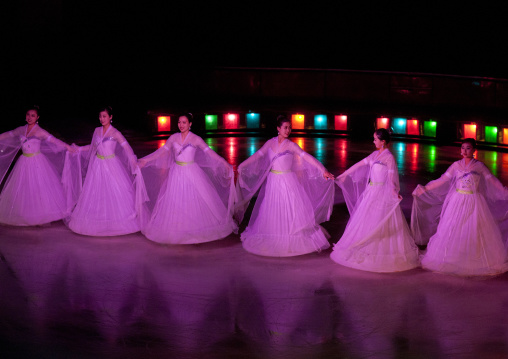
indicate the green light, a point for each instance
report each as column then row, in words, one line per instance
column 429, row 128
column 490, row 134
column 431, row 163
column 211, row 122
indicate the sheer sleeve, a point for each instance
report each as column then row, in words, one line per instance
column 9, row 147
column 353, row 181
column 428, row 203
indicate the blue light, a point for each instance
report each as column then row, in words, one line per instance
column 320, row 122
column 252, row 120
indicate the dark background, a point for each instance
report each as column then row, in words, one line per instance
column 72, row 56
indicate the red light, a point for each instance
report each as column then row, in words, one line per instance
column 161, row 143
column 341, row 122
column 230, row 121
column 413, row 128
column 382, row 122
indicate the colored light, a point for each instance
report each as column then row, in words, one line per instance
column 231, row 121
column 429, row 128
column 399, row 125
column 505, row 136
column 382, row 122
column 252, row 120
column 299, row 142
column 232, row 150
column 161, row 143
column 320, row 149
column 211, row 122
column 252, row 146
column 470, row 131
column 212, row 143
column 431, row 159
column 491, row 134
column 163, row 123
column 320, row 122
column 341, row 122
column 413, row 128
column 297, row 121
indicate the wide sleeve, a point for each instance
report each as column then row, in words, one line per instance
column 9, row 146
column 353, row 181
column 427, row 205
column 251, row 175
column 320, row 191
column 220, row 174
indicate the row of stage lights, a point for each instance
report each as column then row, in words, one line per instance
column 399, row 125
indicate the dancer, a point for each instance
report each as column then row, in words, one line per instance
column 294, row 197
column 457, row 212
column 111, row 200
column 377, row 237
column 191, row 190
column 33, row 193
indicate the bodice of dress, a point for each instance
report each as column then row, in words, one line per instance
column 106, row 146
column 281, row 161
column 30, row 145
column 466, row 181
column 378, row 173
column 184, row 154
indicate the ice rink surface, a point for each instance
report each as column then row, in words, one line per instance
column 63, row 295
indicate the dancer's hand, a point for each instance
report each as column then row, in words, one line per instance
column 328, row 175
column 419, row 190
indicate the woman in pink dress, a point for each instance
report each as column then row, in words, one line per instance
column 377, row 237
column 294, row 197
column 459, row 216
column 111, row 199
column 33, row 192
column 191, row 190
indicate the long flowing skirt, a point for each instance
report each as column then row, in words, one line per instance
column 188, row 209
column 377, row 237
column 33, row 194
column 282, row 222
column 106, row 204
column 467, row 241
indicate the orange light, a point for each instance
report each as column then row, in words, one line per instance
column 505, row 136
column 297, row 121
column 299, row 142
column 470, row 131
column 163, row 123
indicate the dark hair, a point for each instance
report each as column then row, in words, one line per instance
column 33, row 108
column 383, row 135
column 471, row 141
column 108, row 109
column 187, row 115
column 281, row 119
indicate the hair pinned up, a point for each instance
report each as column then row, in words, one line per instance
column 383, row 135
column 33, row 108
column 281, row 119
column 471, row 141
column 108, row 109
column 187, row 115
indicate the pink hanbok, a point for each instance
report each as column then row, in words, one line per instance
column 293, row 199
column 33, row 192
column 459, row 215
column 377, row 237
column 191, row 191
column 111, row 200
